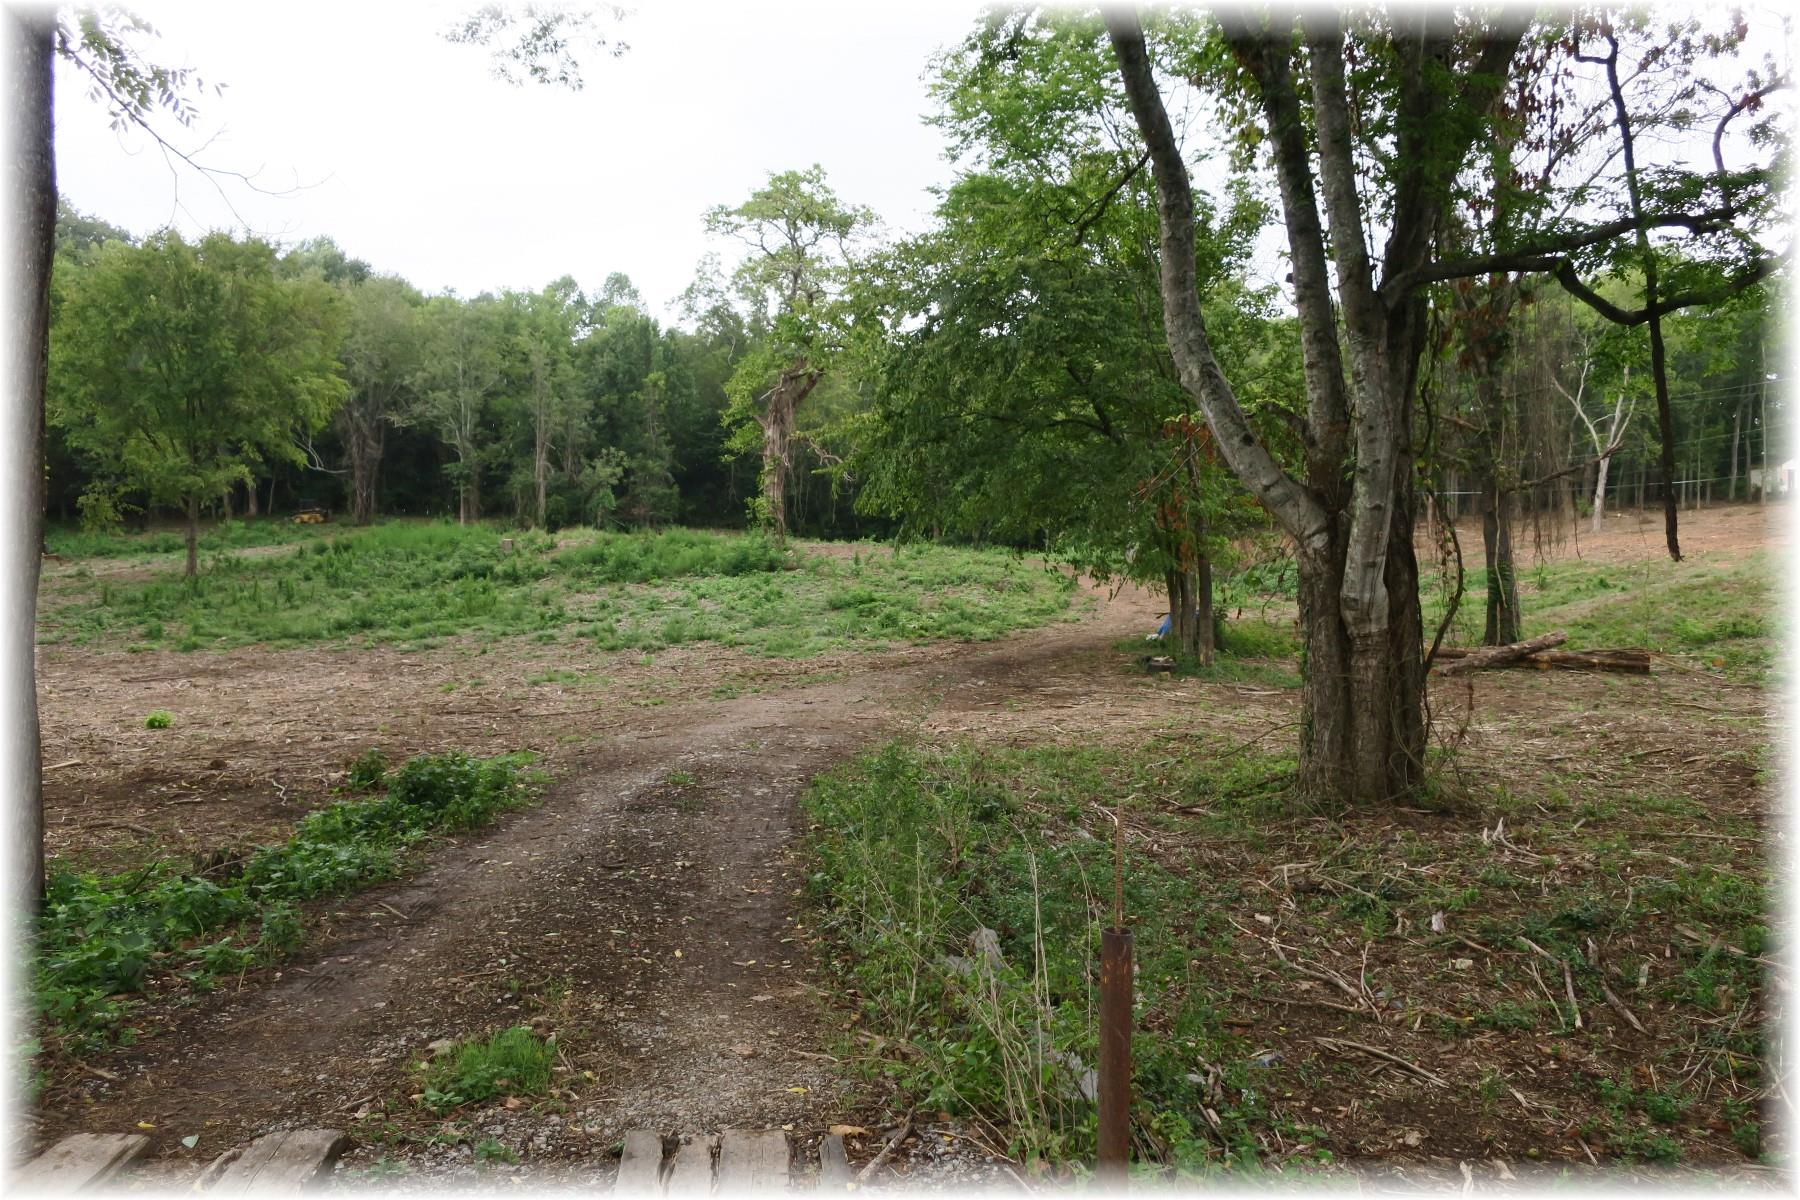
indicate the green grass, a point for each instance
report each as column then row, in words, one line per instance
column 74, row 542
column 103, row 940
column 512, row 1062
column 915, row 848
column 1717, row 612
column 160, row 718
column 414, row 583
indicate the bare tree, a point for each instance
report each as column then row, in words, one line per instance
column 1605, row 444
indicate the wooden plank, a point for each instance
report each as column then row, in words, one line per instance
column 287, row 1161
column 640, row 1165
column 691, row 1169
column 752, row 1160
column 834, row 1164
column 81, row 1161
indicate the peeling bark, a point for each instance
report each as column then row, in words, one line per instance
column 780, row 408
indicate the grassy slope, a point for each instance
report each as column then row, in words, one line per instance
column 1717, row 610
column 411, row 583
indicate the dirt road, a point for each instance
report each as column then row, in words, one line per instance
column 648, row 911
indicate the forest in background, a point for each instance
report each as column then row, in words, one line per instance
column 1002, row 377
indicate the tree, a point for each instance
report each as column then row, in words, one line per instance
column 79, row 235
column 1023, row 387
column 30, row 208
column 801, row 239
column 221, row 369
column 380, row 357
column 98, row 43
column 1381, row 118
column 633, row 372
column 548, row 323
column 1428, row 85
column 461, row 373
column 1688, row 236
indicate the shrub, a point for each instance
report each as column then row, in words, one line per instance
column 513, row 1062
column 100, row 937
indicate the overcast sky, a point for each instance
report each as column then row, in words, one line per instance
column 412, row 156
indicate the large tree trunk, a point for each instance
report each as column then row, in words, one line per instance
column 1191, row 611
column 364, row 439
column 193, row 535
column 777, row 418
column 365, row 461
column 1502, row 581
column 1362, row 709
column 1600, row 469
column 250, row 509
column 1362, row 727
column 30, row 211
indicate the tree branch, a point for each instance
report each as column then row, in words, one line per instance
column 1105, row 202
column 1565, row 274
column 1299, row 513
column 1545, row 254
column 1326, row 433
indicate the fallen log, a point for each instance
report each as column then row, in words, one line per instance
column 1629, row 661
column 1499, row 656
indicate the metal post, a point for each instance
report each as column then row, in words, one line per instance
column 1115, row 1056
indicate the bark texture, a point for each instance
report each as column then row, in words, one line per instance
column 1351, row 518
column 781, row 407
column 30, row 208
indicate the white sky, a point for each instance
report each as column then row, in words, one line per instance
column 425, row 165
column 418, row 160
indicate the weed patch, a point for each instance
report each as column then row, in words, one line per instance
column 1714, row 612
column 513, row 1062
column 416, row 582
column 920, row 852
column 104, row 940
column 962, row 889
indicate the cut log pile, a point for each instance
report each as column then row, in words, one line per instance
column 1542, row 654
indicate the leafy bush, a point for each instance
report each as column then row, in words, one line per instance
column 513, row 1062
column 102, row 937
column 367, row 770
column 674, row 554
column 159, row 719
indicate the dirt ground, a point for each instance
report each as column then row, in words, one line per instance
column 647, row 908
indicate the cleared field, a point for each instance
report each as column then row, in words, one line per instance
column 769, row 815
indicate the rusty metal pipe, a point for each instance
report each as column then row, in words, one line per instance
column 1115, row 1057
